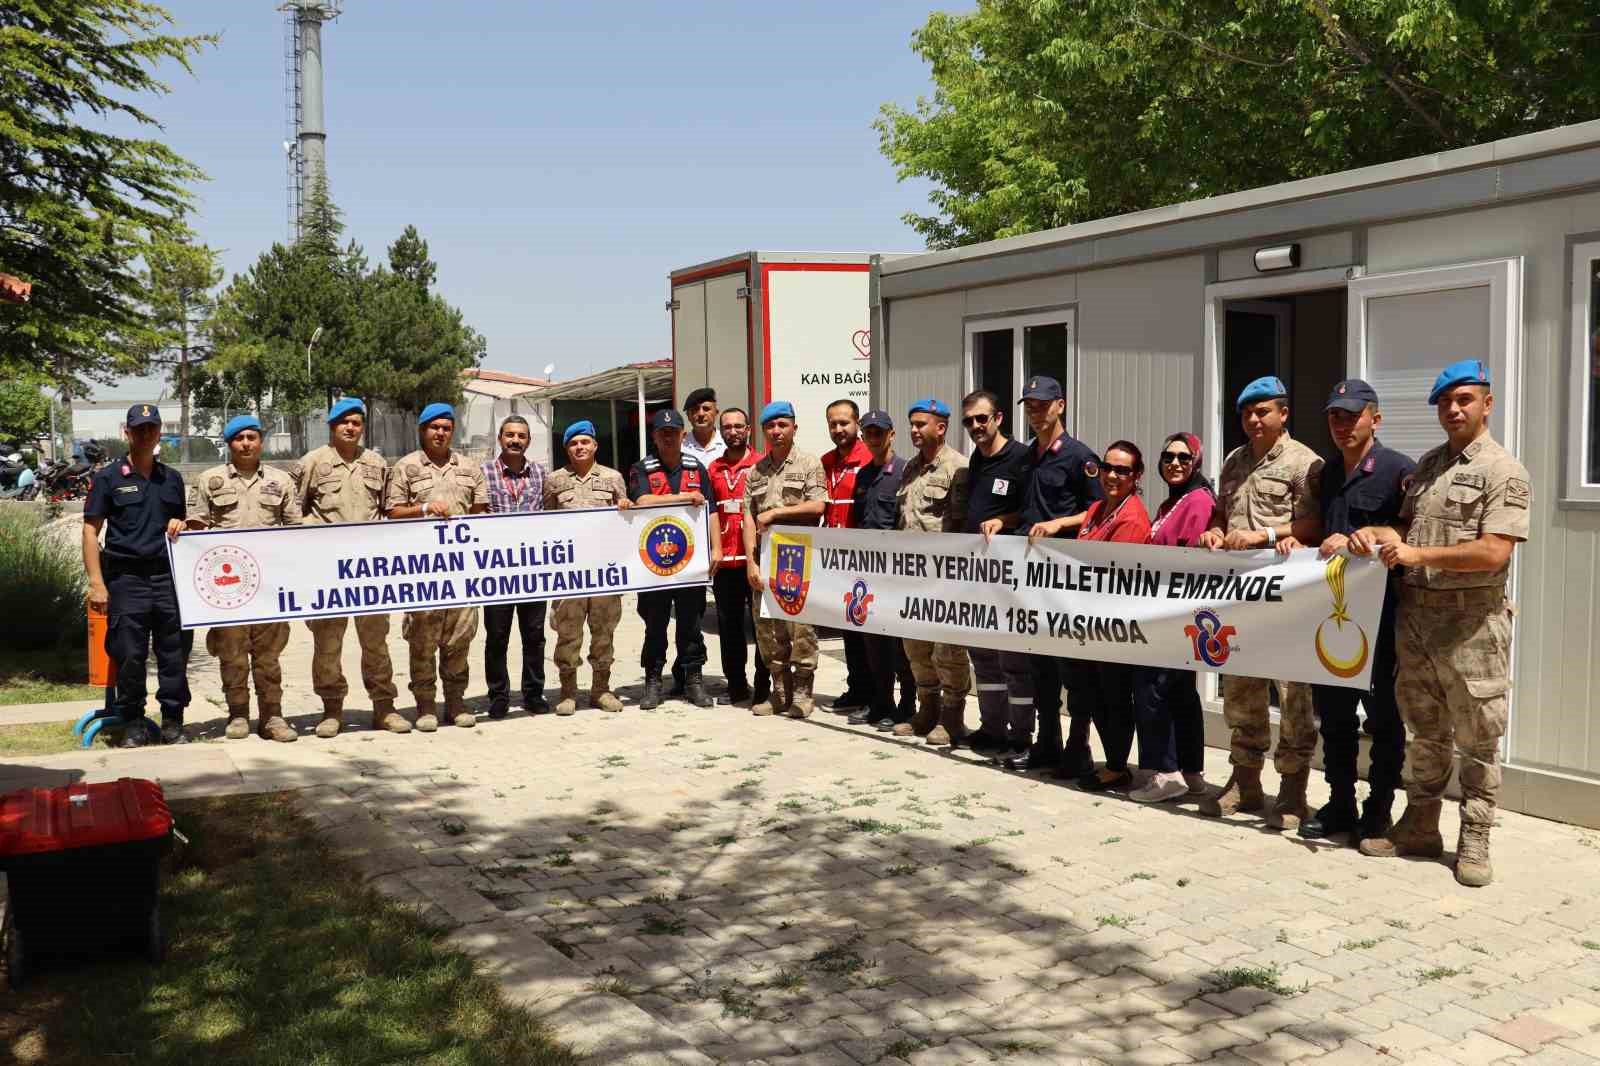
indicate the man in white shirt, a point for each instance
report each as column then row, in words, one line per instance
column 702, row 441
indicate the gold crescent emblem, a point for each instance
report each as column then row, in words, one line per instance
column 1344, row 668
column 145, row 409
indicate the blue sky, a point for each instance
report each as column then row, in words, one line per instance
column 560, row 159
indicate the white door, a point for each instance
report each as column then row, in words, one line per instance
column 688, row 338
column 1407, row 326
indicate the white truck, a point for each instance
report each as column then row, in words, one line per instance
column 762, row 326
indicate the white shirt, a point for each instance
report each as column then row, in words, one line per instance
column 691, row 446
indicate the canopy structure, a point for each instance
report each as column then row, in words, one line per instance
column 642, row 383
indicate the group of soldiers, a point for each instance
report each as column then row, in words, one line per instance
column 1445, row 527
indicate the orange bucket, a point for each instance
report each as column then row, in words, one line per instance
column 99, row 661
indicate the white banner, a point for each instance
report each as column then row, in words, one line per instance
column 1296, row 619
column 235, row 576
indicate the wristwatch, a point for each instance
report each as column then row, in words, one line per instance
column 1272, row 535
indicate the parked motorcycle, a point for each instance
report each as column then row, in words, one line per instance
column 17, row 479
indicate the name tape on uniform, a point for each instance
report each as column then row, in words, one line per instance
column 1298, row 618
column 237, row 576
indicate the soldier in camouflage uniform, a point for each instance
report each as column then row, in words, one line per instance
column 786, row 487
column 344, row 482
column 244, row 494
column 933, row 499
column 435, row 482
column 1466, row 509
column 585, row 483
column 1268, row 492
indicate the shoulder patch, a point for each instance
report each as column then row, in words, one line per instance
column 1407, row 482
column 215, row 484
column 1518, row 493
column 1091, row 468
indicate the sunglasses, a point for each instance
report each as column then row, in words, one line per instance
column 1181, row 458
column 1117, row 469
column 976, row 420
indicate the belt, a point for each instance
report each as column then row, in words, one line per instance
column 1488, row 596
column 143, row 567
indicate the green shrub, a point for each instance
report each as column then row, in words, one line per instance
column 42, row 586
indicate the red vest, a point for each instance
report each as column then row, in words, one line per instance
column 727, row 489
column 841, row 478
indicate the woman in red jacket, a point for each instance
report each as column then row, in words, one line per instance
column 1119, row 517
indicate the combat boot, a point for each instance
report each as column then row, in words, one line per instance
column 694, row 687
column 600, row 694
column 1472, row 855
column 384, row 716
column 1290, row 810
column 951, row 730
column 923, row 722
column 1376, row 818
column 427, row 720
column 1241, row 793
column 273, row 726
column 1338, row 815
column 568, row 703
column 801, row 704
column 652, row 691
column 1416, row 833
column 774, row 703
column 238, row 723
column 332, row 719
column 456, row 713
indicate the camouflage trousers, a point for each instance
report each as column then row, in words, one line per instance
column 567, row 618
column 327, row 657
column 940, row 669
column 243, row 652
column 786, row 644
column 440, row 641
column 1245, row 708
column 1454, row 673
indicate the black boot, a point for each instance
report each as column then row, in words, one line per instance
column 652, row 691
column 1376, row 814
column 694, row 687
column 1338, row 815
column 1076, row 760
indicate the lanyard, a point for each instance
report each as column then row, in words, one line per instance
column 1106, row 521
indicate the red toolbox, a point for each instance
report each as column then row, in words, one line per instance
column 83, row 868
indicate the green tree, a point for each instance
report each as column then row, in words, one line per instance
column 79, row 207
column 178, row 280
column 1049, row 112
column 24, row 409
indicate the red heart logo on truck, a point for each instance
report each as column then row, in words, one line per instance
column 862, row 339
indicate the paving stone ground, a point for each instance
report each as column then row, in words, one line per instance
column 695, row 886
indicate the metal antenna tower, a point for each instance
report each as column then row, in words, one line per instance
column 305, row 135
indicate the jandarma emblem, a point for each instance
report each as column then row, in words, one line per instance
column 666, row 545
column 227, row 577
column 791, row 571
column 1211, row 639
column 1341, row 668
column 856, row 603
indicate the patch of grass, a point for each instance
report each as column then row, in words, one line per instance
column 1112, row 840
column 1183, row 882
column 1139, row 875
column 918, row 775
column 578, row 838
column 1364, row 944
column 453, row 826
column 258, row 901
column 904, row 869
column 841, row 958
column 1282, row 937
column 975, row 842
column 903, row 1048
column 736, row 1002
column 1587, row 945
column 37, row 738
column 559, row 857
column 609, row 981
column 42, row 588
column 1118, row 921
column 1013, row 867
column 614, row 760
column 1397, row 923
column 1439, row 973
column 873, row 827
column 1013, row 1047
column 1266, row 978
column 664, row 925
column 788, row 980
column 659, row 899
column 725, row 839
column 882, row 755
column 1322, row 885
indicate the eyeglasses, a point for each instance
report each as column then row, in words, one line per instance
column 1181, row 458
column 976, row 420
column 1117, row 469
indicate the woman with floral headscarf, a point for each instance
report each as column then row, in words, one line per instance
column 1171, row 724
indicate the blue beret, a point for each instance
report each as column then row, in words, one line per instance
column 436, row 410
column 930, row 406
column 583, row 428
column 344, row 407
column 238, row 423
column 777, row 409
column 1466, row 372
column 1267, row 388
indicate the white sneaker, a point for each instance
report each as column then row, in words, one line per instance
column 1162, row 787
